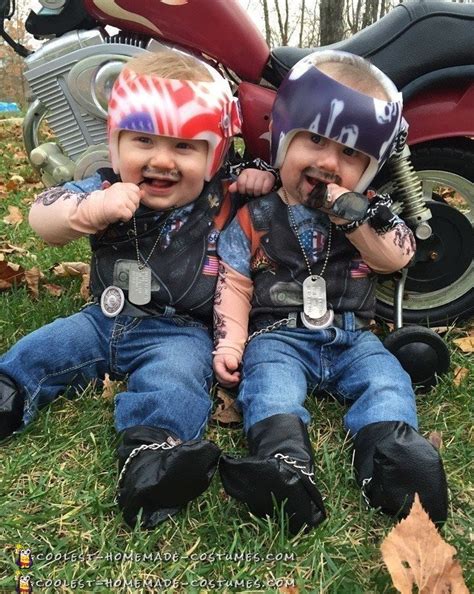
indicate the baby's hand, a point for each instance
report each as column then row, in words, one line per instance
column 253, row 182
column 225, row 368
column 121, row 200
column 334, row 191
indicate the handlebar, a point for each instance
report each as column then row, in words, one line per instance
column 7, row 10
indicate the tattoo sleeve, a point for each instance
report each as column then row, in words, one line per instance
column 52, row 195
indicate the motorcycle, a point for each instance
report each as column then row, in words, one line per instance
column 71, row 74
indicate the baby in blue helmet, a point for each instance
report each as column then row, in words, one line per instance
column 296, row 295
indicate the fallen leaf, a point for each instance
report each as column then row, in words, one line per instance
column 54, row 290
column 9, row 248
column 15, row 217
column 376, row 328
column 466, row 344
column 435, row 439
column 289, row 590
column 460, row 374
column 110, row 387
column 226, row 412
column 32, row 278
column 415, row 554
column 14, row 183
column 441, row 329
column 71, row 269
column 10, row 274
column 85, row 287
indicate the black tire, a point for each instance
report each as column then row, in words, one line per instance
column 422, row 353
column 444, row 163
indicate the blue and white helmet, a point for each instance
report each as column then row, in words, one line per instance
column 309, row 100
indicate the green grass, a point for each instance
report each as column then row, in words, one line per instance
column 57, row 481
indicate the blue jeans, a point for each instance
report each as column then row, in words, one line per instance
column 282, row 366
column 167, row 362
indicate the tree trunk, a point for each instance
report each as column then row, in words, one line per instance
column 282, row 23
column 371, row 12
column 266, row 20
column 300, row 43
column 331, row 17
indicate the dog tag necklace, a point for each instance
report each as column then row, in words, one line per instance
column 139, row 275
column 315, row 315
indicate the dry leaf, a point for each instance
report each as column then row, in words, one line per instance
column 71, row 269
column 85, row 288
column 15, row 217
column 10, row 274
column 10, row 249
column 415, row 554
column 12, row 185
column 226, row 413
column 54, row 290
column 460, row 374
column 289, row 590
column 32, row 278
column 465, row 344
column 441, row 329
column 110, row 387
column 19, row 155
column 435, row 439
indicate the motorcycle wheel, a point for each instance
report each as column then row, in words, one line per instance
column 440, row 291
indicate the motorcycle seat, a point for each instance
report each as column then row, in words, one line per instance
column 407, row 43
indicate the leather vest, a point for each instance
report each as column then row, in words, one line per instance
column 278, row 268
column 184, row 273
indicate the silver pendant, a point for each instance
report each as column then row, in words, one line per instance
column 112, row 301
column 314, row 296
column 318, row 323
column 139, row 284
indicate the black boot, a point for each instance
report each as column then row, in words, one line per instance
column 393, row 462
column 12, row 402
column 280, row 465
column 163, row 477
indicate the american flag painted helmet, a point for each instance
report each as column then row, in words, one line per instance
column 309, row 100
column 191, row 110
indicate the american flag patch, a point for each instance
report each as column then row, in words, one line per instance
column 211, row 266
column 359, row 269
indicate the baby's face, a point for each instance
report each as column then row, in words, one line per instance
column 170, row 170
column 312, row 159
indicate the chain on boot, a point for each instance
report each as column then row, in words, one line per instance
column 160, row 474
column 280, row 467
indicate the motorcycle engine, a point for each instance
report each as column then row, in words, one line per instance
column 70, row 79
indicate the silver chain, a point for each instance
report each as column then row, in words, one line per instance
column 294, row 463
column 295, row 229
column 270, row 328
column 145, row 262
column 365, row 484
column 136, row 451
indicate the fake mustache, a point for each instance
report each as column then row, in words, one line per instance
column 172, row 175
column 318, row 195
column 325, row 176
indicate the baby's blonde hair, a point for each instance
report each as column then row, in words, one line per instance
column 167, row 63
column 357, row 75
